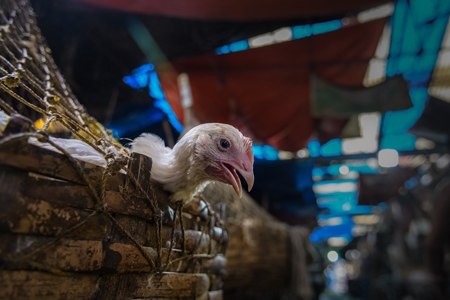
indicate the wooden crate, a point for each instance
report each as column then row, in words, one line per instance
column 59, row 241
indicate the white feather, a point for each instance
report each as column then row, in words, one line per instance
column 163, row 160
column 4, row 119
column 170, row 167
column 76, row 148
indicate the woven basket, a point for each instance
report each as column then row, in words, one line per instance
column 59, row 242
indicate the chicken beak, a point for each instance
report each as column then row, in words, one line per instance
column 230, row 176
column 238, row 189
column 249, row 179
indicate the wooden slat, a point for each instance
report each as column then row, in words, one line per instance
column 20, row 154
column 67, row 255
column 74, row 255
column 123, row 258
column 175, row 285
column 27, row 285
column 90, row 256
column 62, row 192
column 43, row 218
column 168, row 286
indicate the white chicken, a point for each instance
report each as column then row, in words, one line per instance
column 207, row 152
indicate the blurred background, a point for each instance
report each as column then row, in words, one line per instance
column 347, row 103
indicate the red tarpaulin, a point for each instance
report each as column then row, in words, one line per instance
column 238, row 10
column 266, row 90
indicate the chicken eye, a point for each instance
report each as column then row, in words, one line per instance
column 224, row 144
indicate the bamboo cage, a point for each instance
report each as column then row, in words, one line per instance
column 79, row 227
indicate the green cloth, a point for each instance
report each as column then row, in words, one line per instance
column 329, row 100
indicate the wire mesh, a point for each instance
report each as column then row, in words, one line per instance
column 32, row 85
